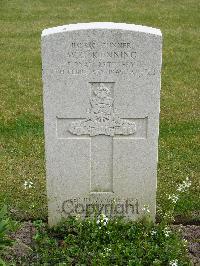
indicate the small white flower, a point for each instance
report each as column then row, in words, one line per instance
column 28, row 184
column 185, row 242
column 107, row 249
column 78, row 217
column 153, row 232
column 146, row 209
column 102, row 219
column 180, row 188
column 166, row 231
column 105, row 221
column 183, row 187
column 174, row 198
column 173, row 263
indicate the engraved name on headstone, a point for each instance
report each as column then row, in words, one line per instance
column 101, row 108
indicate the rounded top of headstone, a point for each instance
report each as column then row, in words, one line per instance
column 101, row 25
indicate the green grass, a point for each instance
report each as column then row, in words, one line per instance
column 21, row 123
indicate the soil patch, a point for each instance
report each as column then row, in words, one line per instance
column 191, row 233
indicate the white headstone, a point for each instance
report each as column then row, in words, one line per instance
column 101, row 112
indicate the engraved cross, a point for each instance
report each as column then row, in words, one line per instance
column 102, row 125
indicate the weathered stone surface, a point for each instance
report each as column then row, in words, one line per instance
column 101, row 109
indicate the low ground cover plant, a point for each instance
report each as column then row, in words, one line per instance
column 99, row 240
column 103, row 241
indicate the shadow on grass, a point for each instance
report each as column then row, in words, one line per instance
column 23, row 125
column 179, row 129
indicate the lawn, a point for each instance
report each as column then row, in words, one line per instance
column 21, row 122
